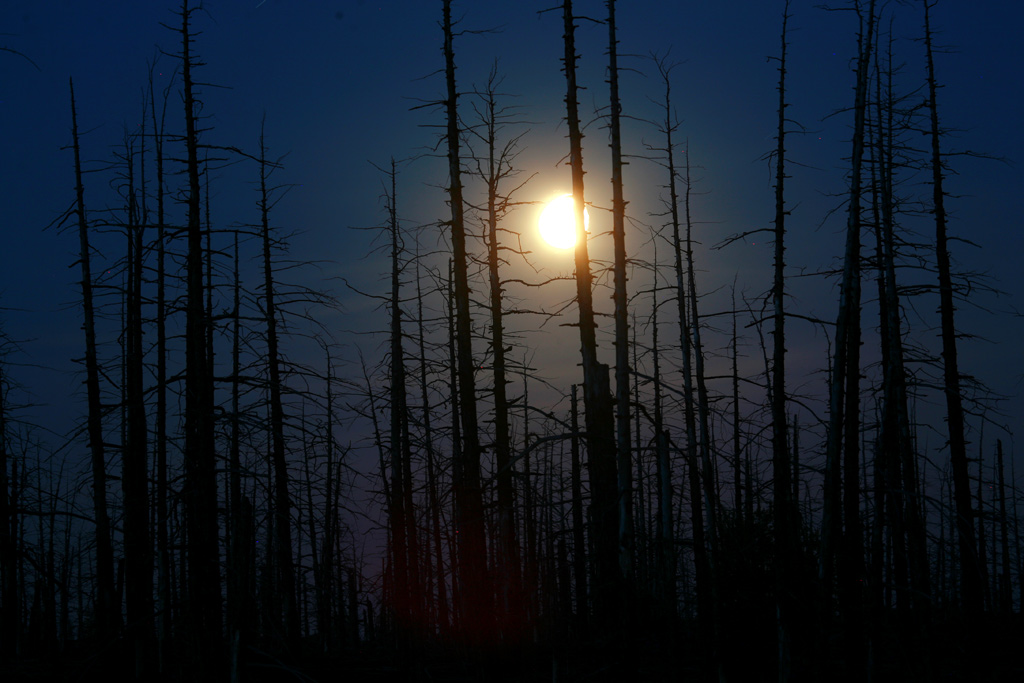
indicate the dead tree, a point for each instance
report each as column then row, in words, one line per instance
column 163, row 593
column 10, row 598
column 622, row 425
column 476, row 597
column 665, row 575
column 495, row 167
column 240, row 547
column 400, row 513
column 702, row 567
column 970, row 568
column 842, row 534
column 435, row 564
column 1004, row 603
column 785, row 516
column 599, row 418
column 104, row 606
column 898, row 499
column 203, row 614
column 709, row 470
column 284, row 574
column 134, row 472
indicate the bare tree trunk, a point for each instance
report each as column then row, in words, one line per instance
column 1016, row 535
column 494, row 169
column 852, row 569
column 601, row 453
column 398, row 510
column 531, row 562
column 843, row 440
column 163, row 604
column 319, row 595
column 134, row 478
column 458, row 593
column 665, row 584
column 970, row 569
column 643, row 501
column 709, row 474
column 737, row 447
column 579, row 541
column 239, row 547
column 785, row 517
column 986, row 594
column 10, row 615
column 284, row 579
column 104, row 608
column 908, row 529
column 433, row 501
column 331, row 604
column 200, row 490
column 622, row 431
column 476, row 602
column 1005, row 593
column 705, row 602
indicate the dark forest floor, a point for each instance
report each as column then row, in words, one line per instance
column 992, row 650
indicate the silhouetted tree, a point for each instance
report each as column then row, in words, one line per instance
column 785, row 513
column 601, row 454
column 970, row 567
column 104, row 606
column 475, row 600
column 702, row 566
column 138, row 546
column 842, row 534
column 622, row 426
column 202, row 612
column 495, row 166
column 10, row 602
column 284, row 574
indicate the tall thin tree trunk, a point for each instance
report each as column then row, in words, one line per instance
column 476, row 603
column 666, row 580
column 238, row 549
column 737, row 448
column 909, row 538
column 702, row 566
column 709, row 474
column 134, row 478
column 433, row 500
column 104, row 605
column 398, row 512
column 285, row 574
column 163, row 604
column 332, row 604
column 970, row 569
column 10, row 598
column 843, row 439
column 1005, row 593
column 982, row 550
column 601, row 451
column 579, row 541
column 622, row 431
column 458, row 591
column 785, row 519
column 1016, row 535
column 508, row 574
column 200, row 490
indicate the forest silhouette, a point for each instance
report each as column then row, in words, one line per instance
column 708, row 492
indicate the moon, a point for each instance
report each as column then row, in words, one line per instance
column 557, row 222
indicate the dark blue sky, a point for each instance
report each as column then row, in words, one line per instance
column 337, row 82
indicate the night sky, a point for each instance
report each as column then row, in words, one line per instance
column 340, row 85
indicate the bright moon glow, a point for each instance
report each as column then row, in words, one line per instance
column 558, row 224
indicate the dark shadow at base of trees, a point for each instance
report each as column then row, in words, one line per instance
column 987, row 650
